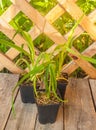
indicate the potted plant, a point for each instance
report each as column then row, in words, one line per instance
column 45, row 70
column 25, row 83
column 41, row 70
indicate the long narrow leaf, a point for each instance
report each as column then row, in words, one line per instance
column 25, row 61
column 70, row 38
column 34, row 85
column 30, row 45
column 20, row 49
column 91, row 60
column 14, row 89
column 1, row 4
column 47, row 81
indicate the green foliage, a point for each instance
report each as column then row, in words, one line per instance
column 42, row 42
column 82, row 42
column 94, row 58
column 38, row 67
column 64, row 23
column 3, row 48
column 65, row 48
column 4, row 4
column 43, row 6
column 87, row 5
column 21, row 22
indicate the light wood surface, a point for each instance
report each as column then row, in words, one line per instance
column 79, row 112
column 93, row 89
column 25, row 116
column 7, row 82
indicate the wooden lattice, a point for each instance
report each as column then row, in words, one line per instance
column 44, row 25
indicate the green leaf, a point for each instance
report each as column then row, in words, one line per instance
column 30, row 45
column 70, row 38
column 7, row 43
column 71, row 51
column 25, row 61
column 1, row 4
column 41, row 4
column 34, row 85
column 46, row 81
column 91, row 60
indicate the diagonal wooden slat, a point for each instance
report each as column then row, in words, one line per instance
column 9, row 64
column 86, row 66
column 93, row 16
column 71, row 67
column 10, row 13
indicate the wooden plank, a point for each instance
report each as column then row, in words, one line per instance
column 58, row 125
column 86, row 66
column 9, row 64
column 34, row 32
column 72, row 66
column 10, row 13
column 53, row 34
column 92, row 16
column 55, row 13
column 25, row 116
column 77, row 32
column 79, row 112
column 7, row 82
column 93, row 89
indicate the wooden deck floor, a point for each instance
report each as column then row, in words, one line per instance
column 78, row 114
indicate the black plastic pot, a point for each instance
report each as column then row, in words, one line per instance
column 27, row 94
column 47, row 113
column 61, row 85
column 62, row 88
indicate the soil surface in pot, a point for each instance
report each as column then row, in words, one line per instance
column 42, row 98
